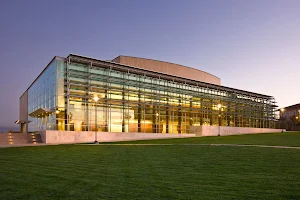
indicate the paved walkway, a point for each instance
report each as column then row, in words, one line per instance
column 24, row 145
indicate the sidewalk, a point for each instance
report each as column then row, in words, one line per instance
column 24, row 145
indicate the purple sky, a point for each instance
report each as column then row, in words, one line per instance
column 251, row 45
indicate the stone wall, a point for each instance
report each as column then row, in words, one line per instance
column 60, row 137
column 13, row 138
column 227, row 130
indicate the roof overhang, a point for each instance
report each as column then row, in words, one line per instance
column 41, row 112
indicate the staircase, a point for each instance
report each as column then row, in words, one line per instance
column 34, row 138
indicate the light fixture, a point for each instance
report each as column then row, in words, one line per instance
column 219, row 105
column 96, row 98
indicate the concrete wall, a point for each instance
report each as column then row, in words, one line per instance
column 24, row 112
column 227, row 130
column 168, row 68
column 13, row 138
column 59, row 137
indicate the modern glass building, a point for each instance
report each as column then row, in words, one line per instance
column 136, row 95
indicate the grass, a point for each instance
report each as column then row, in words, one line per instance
column 272, row 139
column 154, row 172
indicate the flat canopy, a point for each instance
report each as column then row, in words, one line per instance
column 41, row 112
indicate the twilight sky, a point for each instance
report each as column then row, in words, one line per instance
column 251, row 45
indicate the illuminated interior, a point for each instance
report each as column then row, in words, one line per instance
column 135, row 100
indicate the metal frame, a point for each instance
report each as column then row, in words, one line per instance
column 240, row 104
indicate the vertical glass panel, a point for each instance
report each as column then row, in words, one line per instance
column 41, row 101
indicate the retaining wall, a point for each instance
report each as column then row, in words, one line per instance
column 60, row 137
column 227, row 130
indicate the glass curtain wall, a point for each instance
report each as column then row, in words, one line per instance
column 136, row 102
column 42, row 96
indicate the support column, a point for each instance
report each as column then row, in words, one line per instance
column 139, row 112
column 191, row 111
column 67, row 99
column 154, row 123
column 86, row 124
column 211, row 113
column 167, row 117
column 228, row 113
column 220, row 117
column 105, row 107
column 123, row 110
column 179, row 116
column 201, row 112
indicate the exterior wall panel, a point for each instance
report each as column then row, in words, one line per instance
column 226, row 130
column 24, row 112
column 168, row 68
column 60, row 137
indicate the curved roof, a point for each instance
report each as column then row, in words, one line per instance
column 168, row 68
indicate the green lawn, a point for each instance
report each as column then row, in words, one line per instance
column 155, row 172
column 273, row 139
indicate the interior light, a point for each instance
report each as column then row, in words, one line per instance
column 96, row 98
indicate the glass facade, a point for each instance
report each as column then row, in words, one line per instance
column 42, row 95
column 136, row 100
